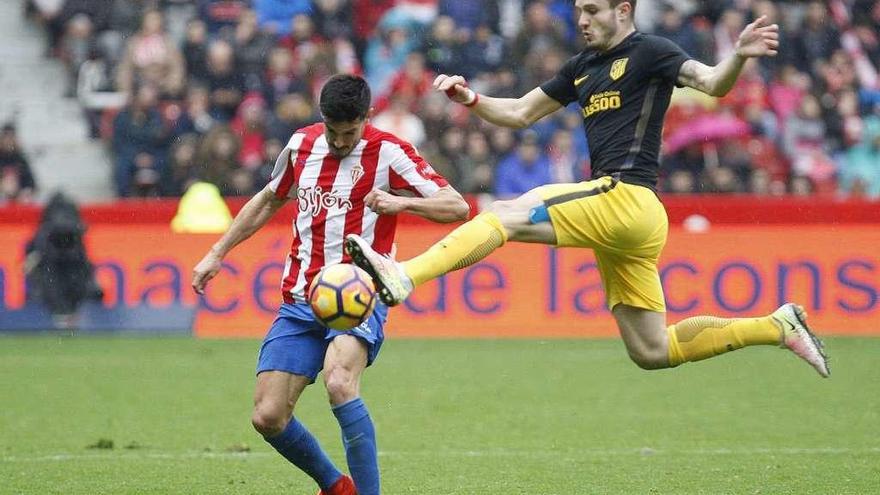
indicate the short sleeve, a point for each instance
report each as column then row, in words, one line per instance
column 408, row 171
column 666, row 58
column 561, row 87
column 283, row 175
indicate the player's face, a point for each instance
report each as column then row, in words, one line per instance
column 597, row 21
column 342, row 137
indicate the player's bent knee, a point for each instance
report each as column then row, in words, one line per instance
column 341, row 385
column 269, row 421
column 649, row 359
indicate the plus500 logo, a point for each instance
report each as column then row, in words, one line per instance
column 314, row 199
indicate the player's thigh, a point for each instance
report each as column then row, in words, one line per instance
column 606, row 214
column 631, row 280
column 344, row 364
column 576, row 212
column 293, row 345
column 348, row 352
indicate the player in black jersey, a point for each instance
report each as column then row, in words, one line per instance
column 622, row 81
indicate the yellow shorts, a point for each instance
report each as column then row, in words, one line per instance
column 626, row 227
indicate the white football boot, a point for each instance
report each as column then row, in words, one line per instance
column 392, row 283
column 797, row 337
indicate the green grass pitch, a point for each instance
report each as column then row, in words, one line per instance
column 453, row 417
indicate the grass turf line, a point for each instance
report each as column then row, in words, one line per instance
column 453, row 417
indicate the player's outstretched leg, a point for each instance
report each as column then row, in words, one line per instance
column 464, row 246
column 702, row 337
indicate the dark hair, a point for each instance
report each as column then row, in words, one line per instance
column 345, row 98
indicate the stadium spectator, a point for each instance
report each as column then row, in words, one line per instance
column 432, row 110
column 675, row 27
column 524, row 170
column 387, row 52
column 816, row 39
column 303, row 42
column 151, row 57
column 566, row 165
column 786, row 92
column 680, row 181
column 94, row 89
column 194, row 115
column 440, row 46
column 727, row 31
column 57, row 19
column 398, row 120
column 468, row 16
column 251, row 49
column 538, row 36
column 333, row 18
column 293, row 111
column 860, row 166
column 450, row 159
column 139, row 140
column 276, row 15
column 480, row 170
column 195, row 50
column 218, row 156
column 804, row 141
column 484, row 52
column 221, row 16
column 224, row 80
column 365, row 18
column 124, row 20
column 183, row 169
column 249, row 124
column 413, row 81
column 76, row 45
column 177, row 14
column 280, row 78
column 16, row 179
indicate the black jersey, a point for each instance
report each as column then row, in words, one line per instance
column 623, row 94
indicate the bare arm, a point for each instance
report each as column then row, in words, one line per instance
column 250, row 219
column 756, row 40
column 445, row 206
column 516, row 113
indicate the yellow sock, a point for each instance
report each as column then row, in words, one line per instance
column 462, row 247
column 702, row 337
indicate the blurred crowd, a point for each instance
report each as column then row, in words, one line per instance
column 210, row 90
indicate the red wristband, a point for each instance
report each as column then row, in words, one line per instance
column 474, row 101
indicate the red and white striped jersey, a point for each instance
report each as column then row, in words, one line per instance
column 329, row 194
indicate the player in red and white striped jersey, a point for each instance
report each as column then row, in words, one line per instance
column 346, row 177
column 332, row 195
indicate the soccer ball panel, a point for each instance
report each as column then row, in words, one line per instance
column 342, row 296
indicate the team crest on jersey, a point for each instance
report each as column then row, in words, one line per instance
column 618, row 67
column 357, row 171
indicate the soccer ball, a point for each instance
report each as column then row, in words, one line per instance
column 342, row 296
